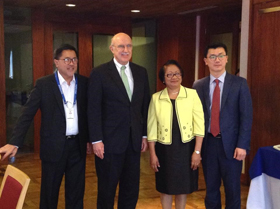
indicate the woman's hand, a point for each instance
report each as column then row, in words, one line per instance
column 154, row 162
column 196, row 158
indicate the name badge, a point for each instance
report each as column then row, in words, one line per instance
column 70, row 111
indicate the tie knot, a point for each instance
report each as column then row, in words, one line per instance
column 216, row 80
column 123, row 67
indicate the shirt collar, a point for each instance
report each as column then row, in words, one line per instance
column 62, row 80
column 120, row 65
column 221, row 78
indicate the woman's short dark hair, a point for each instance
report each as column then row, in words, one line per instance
column 58, row 52
column 161, row 73
column 214, row 46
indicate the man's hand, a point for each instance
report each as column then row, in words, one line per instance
column 239, row 154
column 8, row 150
column 144, row 145
column 98, row 149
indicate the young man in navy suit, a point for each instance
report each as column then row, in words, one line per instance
column 62, row 99
column 118, row 99
column 228, row 122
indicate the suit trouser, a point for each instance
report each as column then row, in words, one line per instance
column 217, row 167
column 73, row 166
column 121, row 168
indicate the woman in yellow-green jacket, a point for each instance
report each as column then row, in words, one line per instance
column 175, row 134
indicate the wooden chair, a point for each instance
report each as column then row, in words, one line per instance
column 13, row 188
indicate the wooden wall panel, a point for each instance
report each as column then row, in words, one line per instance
column 3, row 136
column 176, row 40
column 186, row 49
column 265, row 77
column 203, row 42
column 38, row 37
column 48, row 49
column 85, row 51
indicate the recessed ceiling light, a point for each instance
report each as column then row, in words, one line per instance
column 135, row 10
column 70, row 5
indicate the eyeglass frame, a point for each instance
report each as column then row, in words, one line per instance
column 214, row 57
column 68, row 60
column 122, row 47
column 171, row 75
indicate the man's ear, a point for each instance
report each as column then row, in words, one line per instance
column 205, row 60
column 111, row 48
column 55, row 62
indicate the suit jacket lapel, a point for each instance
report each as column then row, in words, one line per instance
column 136, row 81
column 57, row 94
column 206, row 94
column 78, row 94
column 226, row 88
column 113, row 72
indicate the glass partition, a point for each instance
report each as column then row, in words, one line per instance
column 18, row 67
column 101, row 51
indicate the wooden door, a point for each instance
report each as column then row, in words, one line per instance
column 264, row 74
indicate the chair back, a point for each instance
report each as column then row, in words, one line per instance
column 13, row 188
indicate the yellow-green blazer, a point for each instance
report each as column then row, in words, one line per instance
column 189, row 114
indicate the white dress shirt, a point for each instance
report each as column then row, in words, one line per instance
column 128, row 74
column 69, row 91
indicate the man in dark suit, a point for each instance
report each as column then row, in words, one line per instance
column 62, row 99
column 118, row 99
column 227, row 128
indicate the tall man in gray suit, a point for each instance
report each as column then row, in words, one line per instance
column 118, row 99
column 227, row 109
column 62, row 99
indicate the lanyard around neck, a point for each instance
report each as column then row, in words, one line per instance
column 59, row 86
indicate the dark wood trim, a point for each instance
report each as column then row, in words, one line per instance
column 235, row 46
column 38, row 54
column 3, row 135
column 85, row 51
column 203, row 40
column 48, row 36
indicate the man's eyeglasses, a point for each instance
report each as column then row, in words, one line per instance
column 214, row 57
column 68, row 60
column 171, row 75
column 122, row 47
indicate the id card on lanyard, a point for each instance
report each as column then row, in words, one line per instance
column 69, row 105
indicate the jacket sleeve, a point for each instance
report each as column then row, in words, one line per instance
column 95, row 107
column 198, row 116
column 152, row 122
column 28, row 112
column 146, row 101
column 246, row 117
